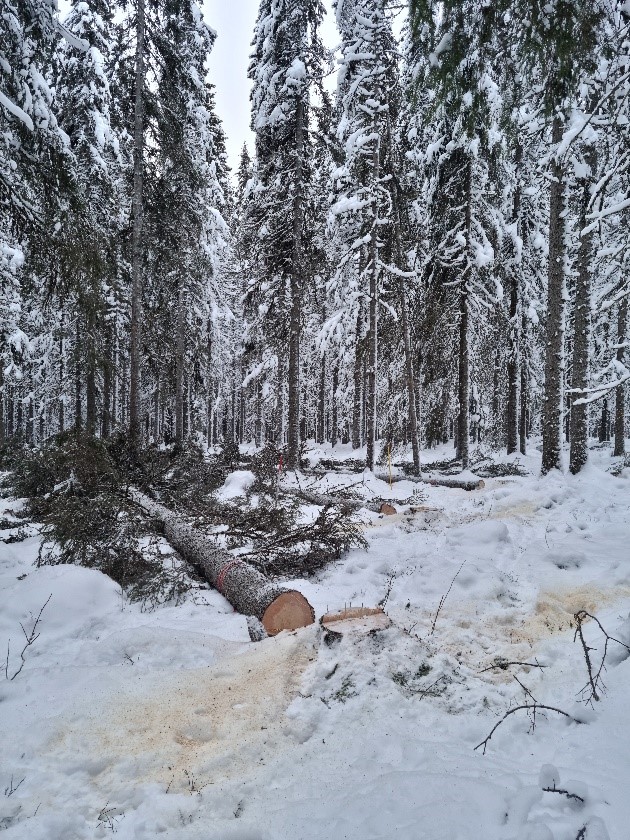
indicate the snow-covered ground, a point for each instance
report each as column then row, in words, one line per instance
column 172, row 724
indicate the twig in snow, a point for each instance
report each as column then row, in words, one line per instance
column 595, row 686
column 444, row 597
column 530, row 707
column 30, row 639
column 10, row 790
column 388, row 591
column 566, row 793
column 503, row 665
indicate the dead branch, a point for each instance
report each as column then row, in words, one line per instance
column 530, row 707
column 444, row 597
column 31, row 638
column 504, row 665
column 595, row 687
column 566, row 793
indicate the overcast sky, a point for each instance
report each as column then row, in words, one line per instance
column 234, row 21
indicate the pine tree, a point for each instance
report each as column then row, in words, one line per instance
column 285, row 62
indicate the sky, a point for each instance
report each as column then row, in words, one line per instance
column 234, row 21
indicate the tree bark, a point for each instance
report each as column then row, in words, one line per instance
column 90, row 376
column 554, row 351
column 620, row 408
column 179, row 367
column 247, row 589
column 463, row 437
column 357, row 403
column 321, row 403
column 373, row 310
column 514, row 348
column 293, row 448
column 137, row 256
column 77, row 379
column 578, row 431
column 334, row 419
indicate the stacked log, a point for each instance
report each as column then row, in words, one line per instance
column 244, row 586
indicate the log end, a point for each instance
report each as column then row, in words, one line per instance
column 289, row 611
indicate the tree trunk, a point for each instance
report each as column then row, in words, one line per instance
column 137, row 256
column 373, row 311
column 247, row 589
column 62, row 378
column 620, row 408
column 90, row 377
column 578, row 432
column 554, row 352
column 357, row 403
column 463, row 437
column 514, row 348
column 107, row 385
column 77, row 379
column 321, row 402
column 2, row 431
column 293, row 448
column 334, row 420
column 278, row 421
column 179, row 367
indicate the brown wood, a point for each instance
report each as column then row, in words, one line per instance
column 289, row 611
column 355, row 620
column 387, row 509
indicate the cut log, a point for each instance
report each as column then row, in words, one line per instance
column 470, row 482
column 467, row 482
column 357, row 620
column 244, row 586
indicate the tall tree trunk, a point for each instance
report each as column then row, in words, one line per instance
column 2, row 431
column 578, row 432
column 620, row 408
column 77, row 378
column 293, row 448
column 62, row 377
column 137, row 256
column 334, row 420
column 321, row 402
column 554, row 351
column 514, row 334
column 411, row 382
column 179, row 367
column 373, row 310
column 279, row 418
column 107, row 385
column 90, row 377
column 463, row 437
column 357, row 403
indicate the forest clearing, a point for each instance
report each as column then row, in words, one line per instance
column 314, row 428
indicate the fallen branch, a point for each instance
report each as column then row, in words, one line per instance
column 444, row 597
column 31, row 638
column 531, row 707
column 503, row 666
column 595, row 682
column 566, row 793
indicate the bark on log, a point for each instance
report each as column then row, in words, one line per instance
column 246, row 588
column 473, row 483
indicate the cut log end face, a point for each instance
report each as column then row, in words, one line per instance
column 356, row 620
column 387, row 509
column 289, row 611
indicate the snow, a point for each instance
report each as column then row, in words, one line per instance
column 236, row 484
column 172, row 724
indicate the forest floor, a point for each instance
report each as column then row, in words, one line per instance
column 172, row 724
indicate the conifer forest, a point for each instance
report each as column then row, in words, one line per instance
column 338, row 424
column 435, row 250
